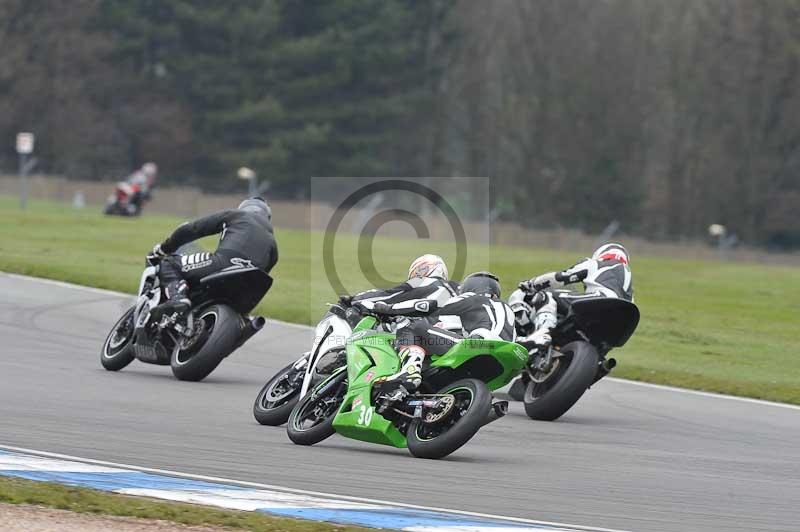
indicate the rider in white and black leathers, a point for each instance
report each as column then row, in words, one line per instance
column 426, row 289
column 476, row 312
column 246, row 238
column 605, row 274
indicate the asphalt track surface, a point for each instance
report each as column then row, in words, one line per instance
column 626, row 457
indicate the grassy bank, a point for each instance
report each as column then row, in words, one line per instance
column 83, row 500
column 715, row 326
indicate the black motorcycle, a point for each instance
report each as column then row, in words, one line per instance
column 586, row 331
column 192, row 342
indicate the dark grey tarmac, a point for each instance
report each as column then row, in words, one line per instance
column 627, row 456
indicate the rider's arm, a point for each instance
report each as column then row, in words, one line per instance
column 418, row 297
column 572, row 275
column 192, row 230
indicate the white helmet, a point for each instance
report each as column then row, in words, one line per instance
column 611, row 251
column 428, row 266
column 150, row 169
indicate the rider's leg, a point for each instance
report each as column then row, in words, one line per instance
column 414, row 343
column 178, row 273
column 175, row 287
column 544, row 320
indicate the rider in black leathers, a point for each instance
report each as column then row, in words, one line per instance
column 246, row 240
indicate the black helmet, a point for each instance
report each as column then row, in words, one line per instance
column 257, row 205
column 484, row 283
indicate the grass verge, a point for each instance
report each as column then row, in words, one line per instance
column 715, row 326
column 88, row 501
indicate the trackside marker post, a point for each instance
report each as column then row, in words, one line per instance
column 25, row 142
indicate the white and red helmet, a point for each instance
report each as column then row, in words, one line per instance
column 428, row 266
column 150, row 170
column 612, row 251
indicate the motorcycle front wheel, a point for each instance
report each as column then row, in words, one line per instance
column 311, row 420
column 278, row 397
column 117, row 351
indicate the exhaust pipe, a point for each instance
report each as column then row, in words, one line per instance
column 252, row 325
column 498, row 410
column 605, row 368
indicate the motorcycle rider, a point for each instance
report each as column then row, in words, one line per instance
column 477, row 312
column 246, row 241
column 427, row 288
column 606, row 274
column 142, row 182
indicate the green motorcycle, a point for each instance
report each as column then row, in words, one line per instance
column 453, row 403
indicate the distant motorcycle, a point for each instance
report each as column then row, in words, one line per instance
column 193, row 343
column 586, row 331
column 127, row 200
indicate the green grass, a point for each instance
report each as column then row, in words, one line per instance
column 724, row 327
column 88, row 501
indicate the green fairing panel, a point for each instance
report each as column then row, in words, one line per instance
column 369, row 355
column 366, row 323
column 511, row 356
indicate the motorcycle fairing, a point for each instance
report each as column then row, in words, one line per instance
column 369, row 356
column 606, row 320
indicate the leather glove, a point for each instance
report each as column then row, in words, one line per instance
column 157, row 254
column 537, row 284
column 381, row 308
column 526, row 286
column 346, row 300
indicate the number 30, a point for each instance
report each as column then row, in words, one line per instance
column 365, row 415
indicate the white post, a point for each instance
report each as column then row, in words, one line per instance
column 24, row 149
column 252, row 179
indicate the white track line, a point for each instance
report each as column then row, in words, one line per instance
column 298, row 491
column 113, row 293
column 662, row 387
column 712, row 395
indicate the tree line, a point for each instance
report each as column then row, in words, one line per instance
column 663, row 116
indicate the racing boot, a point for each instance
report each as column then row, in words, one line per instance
column 397, row 387
column 177, row 300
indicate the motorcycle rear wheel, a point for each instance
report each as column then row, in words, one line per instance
column 470, row 412
column 549, row 400
column 221, row 330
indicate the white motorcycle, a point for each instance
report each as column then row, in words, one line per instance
column 281, row 393
column 277, row 398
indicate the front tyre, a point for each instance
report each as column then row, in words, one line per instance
column 549, row 400
column 311, row 420
column 469, row 413
column 117, row 351
column 217, row 328
column 278, row 397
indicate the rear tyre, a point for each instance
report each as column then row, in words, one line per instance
column 218, row 327
column 311, row 420
column 117, row 351
column 469, row 413
column 550, row 399
column 278, row 397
